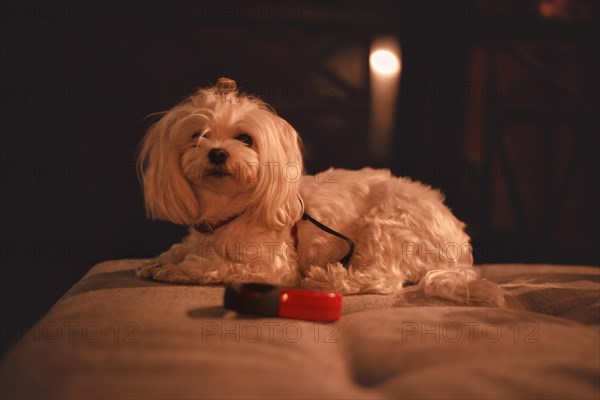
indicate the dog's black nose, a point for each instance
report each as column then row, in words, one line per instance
column 217, row 156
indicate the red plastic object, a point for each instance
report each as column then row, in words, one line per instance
column 272, row 301
column 310, row 305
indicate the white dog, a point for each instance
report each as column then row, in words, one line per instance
column 226, row 165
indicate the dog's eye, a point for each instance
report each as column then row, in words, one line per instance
column 245, row 138
column 196, row 135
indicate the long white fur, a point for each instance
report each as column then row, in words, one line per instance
column 404, row 234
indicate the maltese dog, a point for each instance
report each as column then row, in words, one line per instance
column 228, row 166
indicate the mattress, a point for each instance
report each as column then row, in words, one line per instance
column 115, row 336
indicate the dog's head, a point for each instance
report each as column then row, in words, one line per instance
column 219, row 141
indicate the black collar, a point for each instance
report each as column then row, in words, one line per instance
column 208, row 228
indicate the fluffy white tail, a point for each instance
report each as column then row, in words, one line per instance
column 462, row 285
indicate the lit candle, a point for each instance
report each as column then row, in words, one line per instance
column 385, row 65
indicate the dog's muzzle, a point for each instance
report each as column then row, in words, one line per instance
column 217, row 156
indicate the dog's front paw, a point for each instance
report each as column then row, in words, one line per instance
column 165, row 271
column 147, row 269
column 172, row 273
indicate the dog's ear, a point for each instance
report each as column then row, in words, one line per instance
column 275, row 200
column 167, row 194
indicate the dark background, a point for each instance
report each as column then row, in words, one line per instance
column 498, row 108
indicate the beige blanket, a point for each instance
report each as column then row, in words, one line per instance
column 115, row 336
